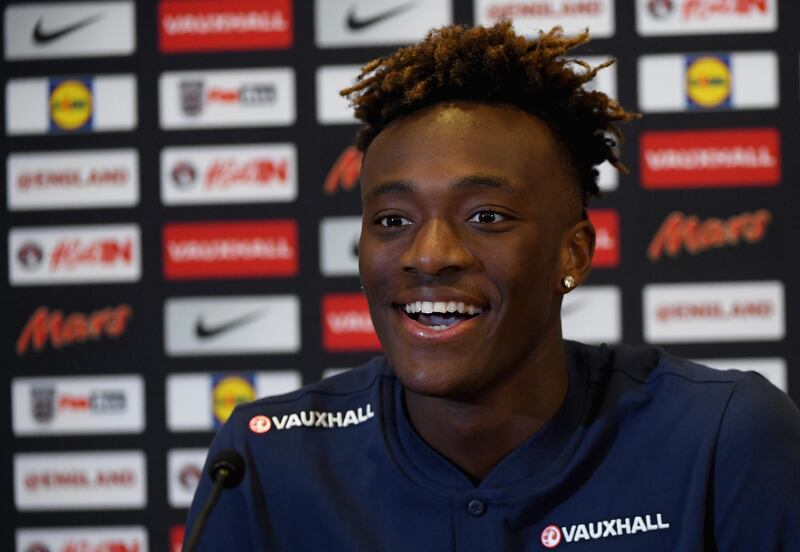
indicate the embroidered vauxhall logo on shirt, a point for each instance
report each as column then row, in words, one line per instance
column 552, row 535
column 311, row 418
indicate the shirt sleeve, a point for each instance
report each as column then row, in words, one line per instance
column 230, row 524
column 756, row 480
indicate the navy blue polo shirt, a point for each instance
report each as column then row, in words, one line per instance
column 648, row 452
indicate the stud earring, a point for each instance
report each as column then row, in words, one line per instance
column 568, row 281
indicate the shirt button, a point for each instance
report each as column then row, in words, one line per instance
column 476, row 508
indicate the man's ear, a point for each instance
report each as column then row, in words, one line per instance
column 577, row 250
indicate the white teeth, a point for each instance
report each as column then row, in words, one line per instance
column 429, row 307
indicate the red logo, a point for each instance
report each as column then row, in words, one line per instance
column 551, row 536
column 703, row 9
column 606, row 247
column 345, row 171
column 209, row 25
column 679, row 232
column 346, row 324
column 224, row 173
column 260, row 424
column 230, row 250
column 76, row 327
column 176, row 533
column 710, row 158
column 68, row 254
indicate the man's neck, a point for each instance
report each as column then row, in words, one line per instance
column 476, row 434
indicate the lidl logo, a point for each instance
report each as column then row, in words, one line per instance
column 70, row 104
column 229, row 390
column 708, row 81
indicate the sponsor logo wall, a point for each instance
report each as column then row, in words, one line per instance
column 182, row 218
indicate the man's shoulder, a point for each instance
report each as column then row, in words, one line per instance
column 334, row 390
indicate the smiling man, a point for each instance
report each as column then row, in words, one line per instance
column 481, row 428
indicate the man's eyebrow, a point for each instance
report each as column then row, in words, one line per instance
column 462, row 184
column 484, row 181
column 392, row 187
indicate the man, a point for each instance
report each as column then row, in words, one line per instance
column 482, row 429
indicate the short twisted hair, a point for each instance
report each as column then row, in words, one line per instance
column 494, row 65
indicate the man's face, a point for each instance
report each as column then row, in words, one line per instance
column 467, row 213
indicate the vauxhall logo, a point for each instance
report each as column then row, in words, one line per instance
column 553, row 535
column 311, row 418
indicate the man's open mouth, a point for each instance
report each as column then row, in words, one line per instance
column 440, row 315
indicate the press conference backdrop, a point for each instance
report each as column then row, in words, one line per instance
column 182, row 217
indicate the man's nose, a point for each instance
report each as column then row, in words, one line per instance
column 436, row 248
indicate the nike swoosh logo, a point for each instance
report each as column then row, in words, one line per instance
column 356, row 24
column 40, row 36
column 203, row 331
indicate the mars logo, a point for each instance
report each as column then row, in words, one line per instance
column 70, row 104
column 45, row 326
column 228, row 391
column 345, row 171
column 708, row 81
column 551, row 536
column 679, row 232
column 30, row 255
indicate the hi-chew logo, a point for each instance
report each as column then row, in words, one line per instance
column 242, row 249
column 261, row 424
column 69, row 29
column 341, row 23
column 96, row 480
column 195, row 401
column 711, row 158
column 74, row 254
column 607, row 246
column 715, row 311
column 214, row 25
column 72, row 180
column 242, row 173
column 689, row 17
column 226, row 98
column 77, row 405
column 83, row 539
column 251, row 324
column 346, row 323
column 70, row 105
column 57, row 329
column 680, row 232
column 532, row 16
column 708, row 81
column 553, row 535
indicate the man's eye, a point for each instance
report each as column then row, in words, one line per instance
column 486, row 217
column 394, row 220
